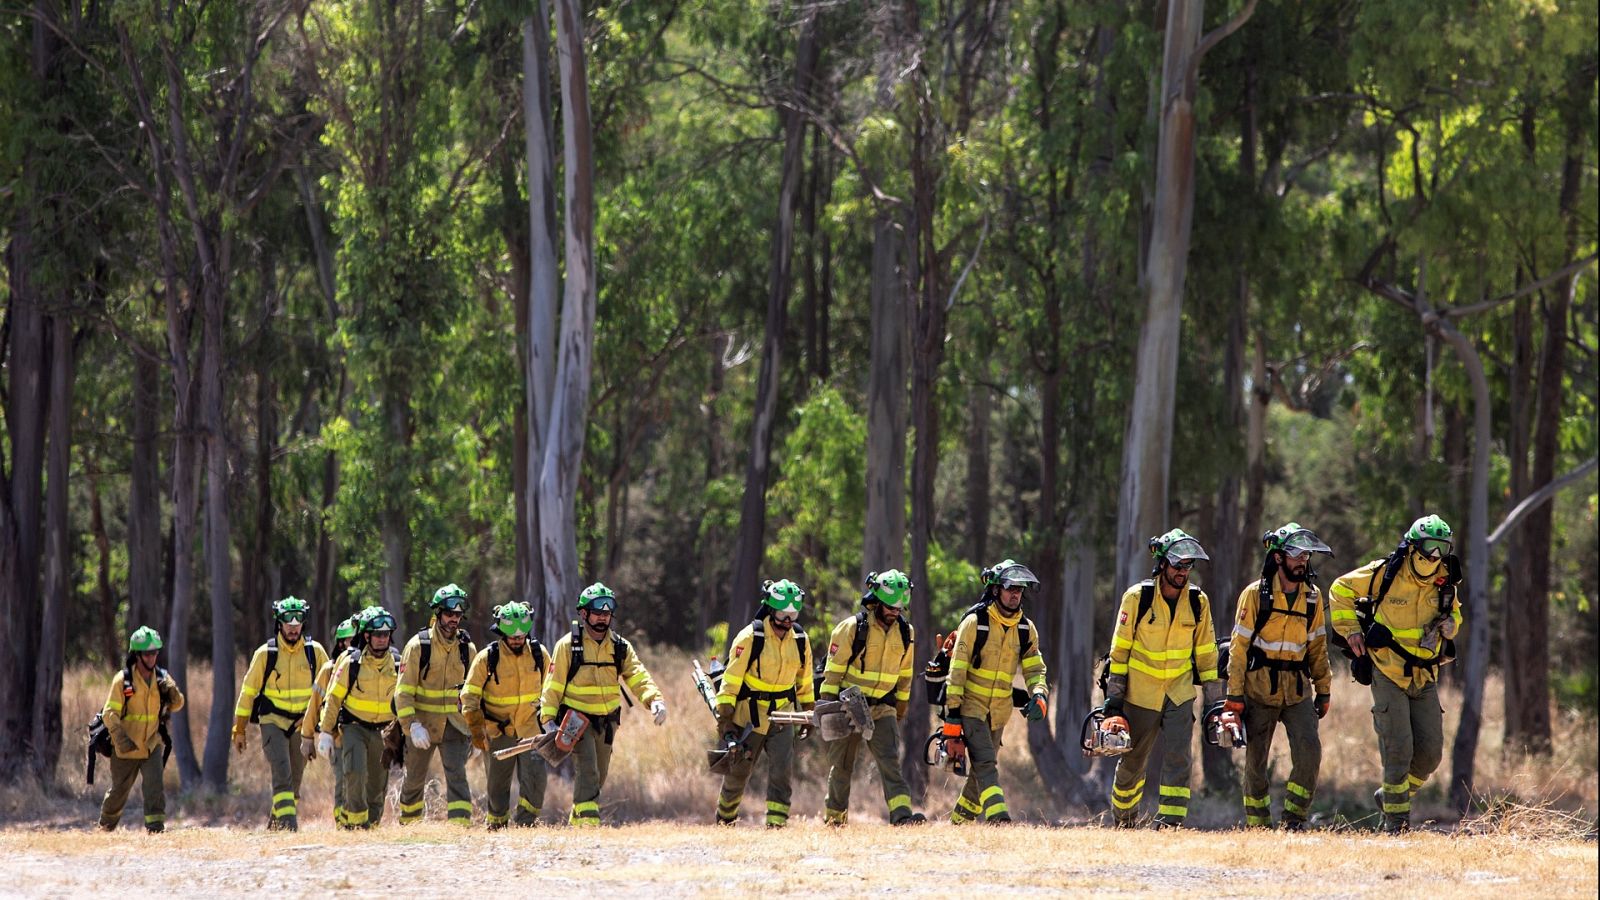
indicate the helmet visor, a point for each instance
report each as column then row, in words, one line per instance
column 1017, row 576
column 1433, row 548
column 1185, row 549
column 1302, row 543
column 602, row 603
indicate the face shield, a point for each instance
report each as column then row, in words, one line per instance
column 1017, row 575
column 1302, row 544
column 1187, row 550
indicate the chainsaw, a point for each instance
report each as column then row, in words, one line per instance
column 1104, row 736
column 1223, row 728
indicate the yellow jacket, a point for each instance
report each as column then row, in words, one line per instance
column 371, row 698
column 288, row 686
column 134, row 721
column 506, row 702
column 1159, row 654
column 981, row 688
column 785, row 665
column 595, row 690
column 884, row 665
column 319, row 695
column 435, row 698
column 1409, row 609
column 1289, row 635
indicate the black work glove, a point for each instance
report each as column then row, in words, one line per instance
column 1321, row 705
column 1113, row 706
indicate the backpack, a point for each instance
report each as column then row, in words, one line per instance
column 1256, row 658
column 619, row 652
column 425, row 638
column 262, row 706
column 494, row 657
column 1367, row 611
column 355, row 654
column 858, row 646
column 937, row 672
column 1147, row 599
column 100, row 735
column 758, row 644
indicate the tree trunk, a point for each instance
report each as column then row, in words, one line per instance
column 219, row 567
column 1147, row 448
column 58, row 555
column 106, row 601
column 980, row 412
column 185, row 502
column 1255, row 443
column 710, row 539
column 144, row 500
column 1072, row 657
column 258, row 602
column 1528, row 716
column 20, row 532
column 543, row 296
column 394, row 522
column 324, row 566
column 753, row 506
column 885, row 546
column 563, row 450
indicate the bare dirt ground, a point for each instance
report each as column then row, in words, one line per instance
column 435, row 859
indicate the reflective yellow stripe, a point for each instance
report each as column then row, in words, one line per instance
column 1129, row 792
column 473, row 689
column 1340, row 590
column 1171, row 791
column 1345, row 615
column 1299, row 791
column 1164, row 674
column 510, row 699
column 1165, row 810
column 898, row 801
column 1118, row 642
column 436, row 694
column 439, row 708
column 1257, row 802
column 1119, row 668
column 1129, row 803
column 990, row 794
column 367, row 706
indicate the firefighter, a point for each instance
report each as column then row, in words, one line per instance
column 142, row 696
column 776, row 675
column 276, row 692
column 1399, row 617
column 428, row 703
column 588, row 668
column 310, row 723
column 1278, row 672
column 500, row 702
column 873, row 651
column 1162, row 646
column 993, row 643
column 360, row 704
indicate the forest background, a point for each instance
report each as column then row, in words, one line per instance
column 348, row 300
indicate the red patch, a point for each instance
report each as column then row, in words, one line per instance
column 1241, row 614
column 832, row 649
column 738, row 652
column 1124, row 619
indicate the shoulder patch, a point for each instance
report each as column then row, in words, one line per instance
column 1123, row 620
column 738, row 650
column 1241, row 614
column 832, row 649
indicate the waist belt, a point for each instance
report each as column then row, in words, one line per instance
column 768, row 697
column 885, row 700
column 1258, row 659
column 265, row 707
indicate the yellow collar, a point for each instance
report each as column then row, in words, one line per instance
column 1000, row 618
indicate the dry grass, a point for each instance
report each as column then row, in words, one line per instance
column 807, row 859
column 659, row 773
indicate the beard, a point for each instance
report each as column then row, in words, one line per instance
column 1295, row 575
column 1175, row 577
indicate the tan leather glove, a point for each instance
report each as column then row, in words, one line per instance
column 480, row 737
column 241, row 738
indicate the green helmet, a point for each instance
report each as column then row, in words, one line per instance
column 1430, row 533
column 598, row 597
column 144, row 639
column 346, row 629
column 1294, row 537
column 450, row 598
column 891, row 588
column 376, row 618
column 1176, row 546
column 991, row 575
column 781, row 596
column 513, row 618
column 290, row 609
